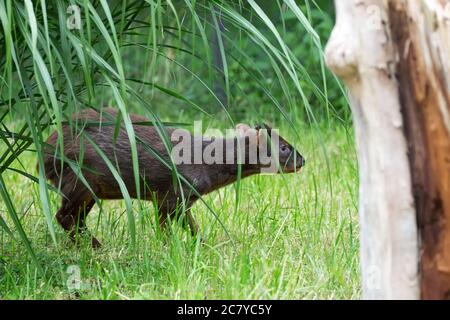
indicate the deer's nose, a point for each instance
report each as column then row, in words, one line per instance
column 303, row 161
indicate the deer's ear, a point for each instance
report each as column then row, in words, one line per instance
column 263, row 126
column 242, row 128
column 267, row 127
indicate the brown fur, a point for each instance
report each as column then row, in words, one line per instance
column 156, row 180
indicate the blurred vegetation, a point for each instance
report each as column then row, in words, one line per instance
column 258, row 85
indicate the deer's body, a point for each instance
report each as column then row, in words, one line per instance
column 156, row 179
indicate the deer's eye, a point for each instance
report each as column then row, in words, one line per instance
column 284, row 149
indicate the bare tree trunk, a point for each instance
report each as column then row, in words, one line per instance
column 421, row 31
column 394, row 57
column 361, row 52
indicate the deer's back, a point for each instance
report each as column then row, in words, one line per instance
column 80, row 151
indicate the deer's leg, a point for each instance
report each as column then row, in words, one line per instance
column 73, row 212
column 188, row 219
column 169, row 209
column 162, row 217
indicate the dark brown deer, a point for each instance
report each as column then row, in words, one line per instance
column 156, row 176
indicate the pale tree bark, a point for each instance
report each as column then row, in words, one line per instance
column 394, row 57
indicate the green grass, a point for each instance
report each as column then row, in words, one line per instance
column 292, row 237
